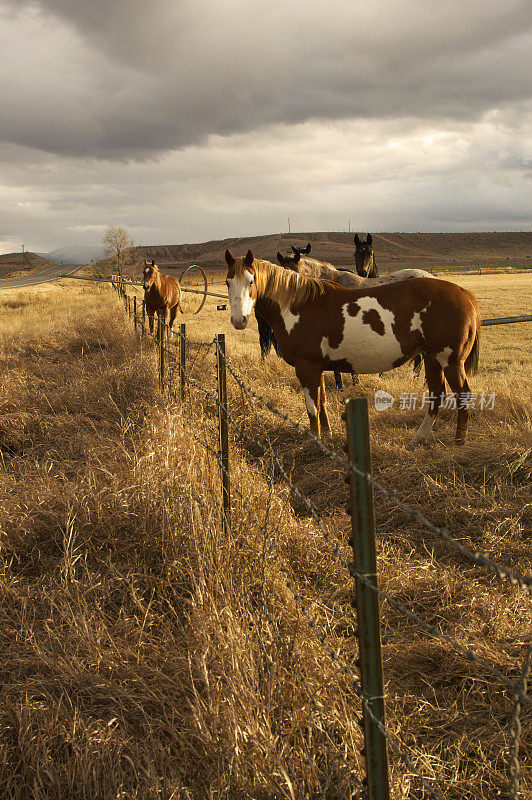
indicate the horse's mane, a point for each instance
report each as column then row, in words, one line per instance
column 284, row 286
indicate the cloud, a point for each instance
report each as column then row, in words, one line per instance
column 129, row 80
column 188, row 120
column 378, row 175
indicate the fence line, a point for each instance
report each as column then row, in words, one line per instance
column 362, row 578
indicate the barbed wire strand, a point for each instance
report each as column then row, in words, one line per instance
column 476, row 557
column 481, row 559
column 432, row 630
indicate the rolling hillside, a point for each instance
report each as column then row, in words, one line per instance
column 392, row 250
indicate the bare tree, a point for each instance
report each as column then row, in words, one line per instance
column 118, row 244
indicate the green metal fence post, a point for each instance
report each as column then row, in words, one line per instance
column 223, row 428
column 182, row 355
column 143, row 316
column 363, row 541
column 135, row 312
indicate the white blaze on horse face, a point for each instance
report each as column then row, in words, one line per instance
column 367, row 350
column 240, row 299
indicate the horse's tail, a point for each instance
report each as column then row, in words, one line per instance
column 266, row 337
column 471, row 362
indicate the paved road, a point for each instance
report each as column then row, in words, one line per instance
column 42, row 276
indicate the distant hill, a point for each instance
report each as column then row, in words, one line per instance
column 14, row 263
column 75, row 254
column 392, row 250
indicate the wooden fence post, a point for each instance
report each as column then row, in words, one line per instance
column 182, row 355
column 363, row 542
column 223, row 428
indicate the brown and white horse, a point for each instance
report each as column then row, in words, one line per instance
column 162, row 294
column 320, row 326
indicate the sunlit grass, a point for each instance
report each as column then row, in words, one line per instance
column 141, row 656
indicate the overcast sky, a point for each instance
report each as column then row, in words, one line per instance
column 188, row 120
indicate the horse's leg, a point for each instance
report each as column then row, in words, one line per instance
column 309, row 375
column 166, row 318
column 324, row 419
column 457, row 380
column 172, row 316
column 436, row 387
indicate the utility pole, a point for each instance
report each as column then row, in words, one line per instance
column 23, row 256
column 289, row 226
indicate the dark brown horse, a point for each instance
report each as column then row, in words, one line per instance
column 365, row 263
column 161, row 294
column 320, row 326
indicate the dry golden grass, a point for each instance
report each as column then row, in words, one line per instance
column 148, row 654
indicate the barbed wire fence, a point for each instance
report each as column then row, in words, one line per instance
column 363, row 675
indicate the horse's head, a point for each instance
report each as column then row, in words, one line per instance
column 303, row 251
column 148, row 276
column 364, row 256
column 241, row 288
column 290, row 261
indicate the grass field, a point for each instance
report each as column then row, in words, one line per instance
column 146, row 654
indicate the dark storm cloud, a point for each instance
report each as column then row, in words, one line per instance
column 130, row 79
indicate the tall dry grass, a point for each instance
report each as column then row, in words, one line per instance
column 148, row 654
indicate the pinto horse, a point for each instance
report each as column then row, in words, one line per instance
column 312, row 268
column 320, row 326
column 162, row 294
column 365, row 263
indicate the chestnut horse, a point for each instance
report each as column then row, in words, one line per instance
column 162, row 294
column 320, row 326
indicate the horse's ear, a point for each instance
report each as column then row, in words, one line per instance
column 152, row 262
column 357, row 240
column 146, row 262
column 248, row 261
column 294, row 249
column 280, row 258
column 369, row 239
column 229, row 258
column 297, row 256
column 307, row 248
